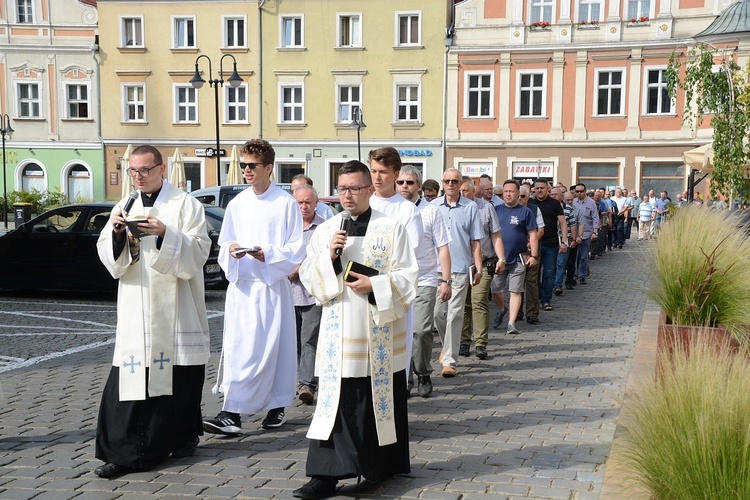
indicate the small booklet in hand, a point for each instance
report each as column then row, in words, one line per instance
column 358, row 268
column 133, row 225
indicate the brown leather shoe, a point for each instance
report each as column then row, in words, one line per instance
column 448, row 371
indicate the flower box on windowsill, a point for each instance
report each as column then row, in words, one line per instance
column 540, row 28
column 643, row 21
column 587, row 26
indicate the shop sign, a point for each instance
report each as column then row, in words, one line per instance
column 475, row 169
column 414, row 152
column 533, row 169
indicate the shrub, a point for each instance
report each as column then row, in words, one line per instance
column 687, row 433
column 40, row 200
column 700, row 269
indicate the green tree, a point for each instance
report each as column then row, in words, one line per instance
column 724, row 96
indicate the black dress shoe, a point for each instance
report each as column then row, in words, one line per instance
column 187, row 449
column 316, row 488
column 424, row 388
column 532, row 320
column 109, row 471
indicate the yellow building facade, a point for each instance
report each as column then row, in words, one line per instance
column 149, row 52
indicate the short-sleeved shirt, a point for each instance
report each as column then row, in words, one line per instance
column 490, row 224
column 660, row 206
column 299, row 293
column 464, row 227
column 550, row 209
column 645, row 211
column 590, row 212
column 434, row 235
column 515, row 224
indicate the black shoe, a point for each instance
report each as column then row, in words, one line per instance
column 424, row 385
column 463, row 350
column 583, row 281
column 108, row 471
column 532, row 320
column 225, row 422
column 481, row 352
column 187, row 449
column 620, row 247
column 316, row 488
column 558, row 290
column 568, row 286
column 274, row 419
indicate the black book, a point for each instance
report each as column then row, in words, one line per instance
column 358, row 268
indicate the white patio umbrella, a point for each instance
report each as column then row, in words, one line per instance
column 700, row 158
column 234, row 176
column 127, row 181
column 177, row 177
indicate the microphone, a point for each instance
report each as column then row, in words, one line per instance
column 128, row 205
column 346, row 216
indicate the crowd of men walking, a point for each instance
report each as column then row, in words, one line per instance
column 364, row 289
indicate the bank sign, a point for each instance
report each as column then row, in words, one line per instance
column 414, row 152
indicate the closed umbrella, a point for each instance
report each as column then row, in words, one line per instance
column 127, row 181
column 234, row 176
column 177, row 177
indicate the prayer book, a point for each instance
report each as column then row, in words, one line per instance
column 133, row 225
column 358, row 268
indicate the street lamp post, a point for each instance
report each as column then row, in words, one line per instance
column 5, row 130
column 358, row 124
column 234, row 81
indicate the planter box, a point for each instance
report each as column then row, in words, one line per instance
column 670, row 335
column 540, row 28
column 587, row 26
column 638, row 23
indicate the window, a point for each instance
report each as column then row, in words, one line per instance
column 291, row 31
column 134, row 103
column 79, row 186
column 478, row 95
column 183, row 34
column 29, row 103
column 25, row 11
column 609, row 93
column 186, row 104
column 409, row 29
column 32, row 177
column 408, row 103
column 658, row 101
column 77, row 100
column 639, row 8
column 669, row 177
column 193, row 175
column 291, row 104
column 531, row 90
column 287, row 171
column 350, row 30
column 132, row 32
column 596, row 175
column 234, row 33
column 349, row 102
column 590, row 10
column 235, row 108
column 541, row 10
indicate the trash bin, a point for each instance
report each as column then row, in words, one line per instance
column 23, row 212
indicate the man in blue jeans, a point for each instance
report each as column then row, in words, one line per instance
column 552, row 213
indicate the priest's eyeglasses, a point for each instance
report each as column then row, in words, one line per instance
column 351, row 189
column 143, row 172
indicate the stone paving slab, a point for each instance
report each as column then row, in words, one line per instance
column 535, row 420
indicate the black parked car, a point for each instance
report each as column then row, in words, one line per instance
column 57, row 251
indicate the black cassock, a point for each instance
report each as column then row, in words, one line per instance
column 142, row 434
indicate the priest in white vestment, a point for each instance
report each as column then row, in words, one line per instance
column 151, row 401
column 261, row 244
column 360, row 425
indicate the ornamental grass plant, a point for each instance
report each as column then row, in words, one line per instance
column 700, row 271
column 687, row 432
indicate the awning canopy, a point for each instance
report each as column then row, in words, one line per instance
column 700, row 158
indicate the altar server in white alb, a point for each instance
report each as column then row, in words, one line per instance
column 151, row 404
column 360, row 425
column 261, row 245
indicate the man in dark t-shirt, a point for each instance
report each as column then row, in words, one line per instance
column 549, row 244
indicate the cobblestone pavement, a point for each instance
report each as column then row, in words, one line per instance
column 535, row 420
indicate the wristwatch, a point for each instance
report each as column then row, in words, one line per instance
column 448, row 282
column 501, row 260
column 534, row 257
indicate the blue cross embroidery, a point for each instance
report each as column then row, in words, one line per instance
column 161, row 360
column 132, row 364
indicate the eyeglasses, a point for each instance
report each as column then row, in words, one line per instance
column 522, row 196
column 451, row 181
column 351, row 189
column 251, row 165
column 401, row 182
column 143, row 172
column 579, row 191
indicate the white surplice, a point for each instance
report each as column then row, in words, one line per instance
column 161, row 311
column 357, row 338
column 260, row 345
column 408, row 214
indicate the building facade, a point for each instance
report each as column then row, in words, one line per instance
column 49, row 90
column 574, row 90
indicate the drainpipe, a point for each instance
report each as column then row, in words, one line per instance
column 94, row 52
column 260, row 67
column 449, row 33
